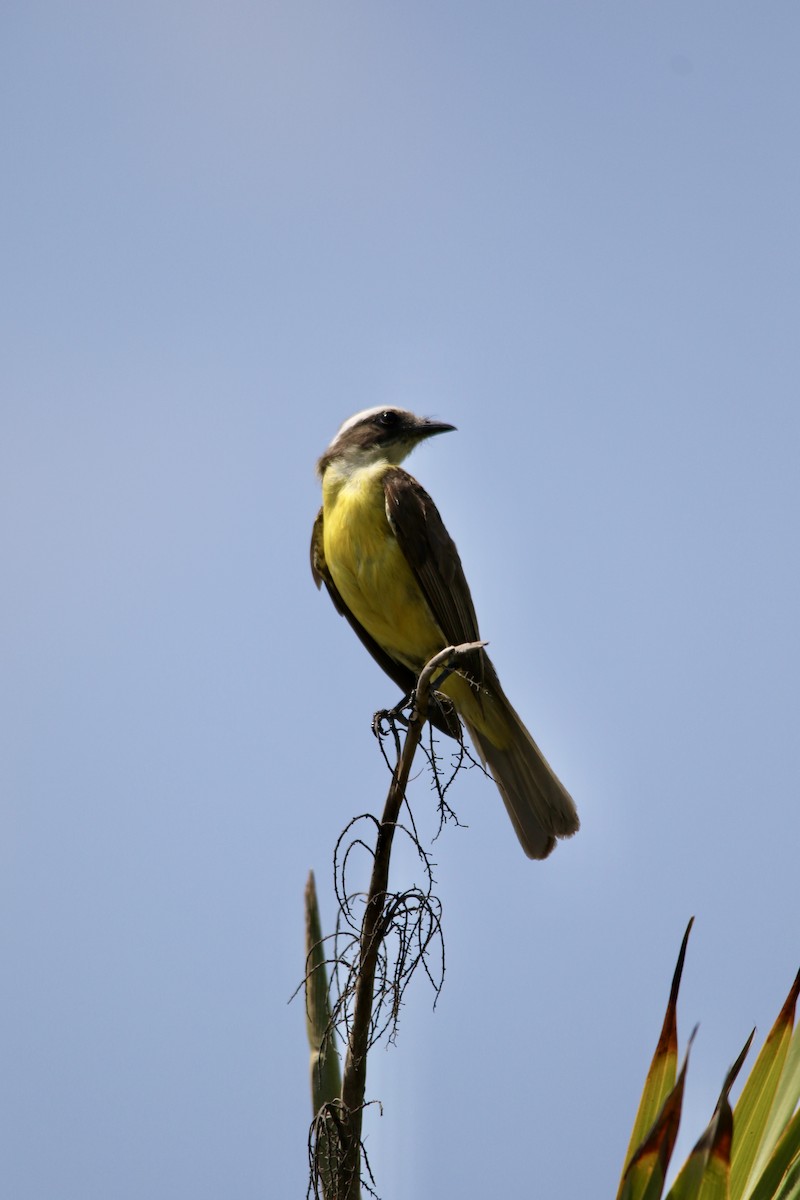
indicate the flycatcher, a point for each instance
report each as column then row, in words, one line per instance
column 391, row 568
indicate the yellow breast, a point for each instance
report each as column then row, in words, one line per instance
column 370, row 570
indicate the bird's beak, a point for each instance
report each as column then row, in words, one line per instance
column 427, row 427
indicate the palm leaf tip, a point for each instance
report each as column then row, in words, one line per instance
column 326, row 1084
column 661, row 1076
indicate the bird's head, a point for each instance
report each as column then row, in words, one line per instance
column 378, row 435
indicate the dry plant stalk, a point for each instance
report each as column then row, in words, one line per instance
column 376, row 923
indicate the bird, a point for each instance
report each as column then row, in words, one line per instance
column 392, row 570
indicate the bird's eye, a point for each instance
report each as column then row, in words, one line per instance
column 389, row 419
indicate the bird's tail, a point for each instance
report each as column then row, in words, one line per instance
column 540, row 807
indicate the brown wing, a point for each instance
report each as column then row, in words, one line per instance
column 443, row 715
column 432, row 555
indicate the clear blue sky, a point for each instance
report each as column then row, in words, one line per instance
column 570, row 229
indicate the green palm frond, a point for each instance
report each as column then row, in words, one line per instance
column 750, row 1152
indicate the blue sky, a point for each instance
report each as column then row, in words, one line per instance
column 570, row 230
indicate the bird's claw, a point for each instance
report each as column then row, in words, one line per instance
column 385, row 718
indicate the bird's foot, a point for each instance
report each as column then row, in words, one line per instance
column 436, row 684
column 386, row 718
